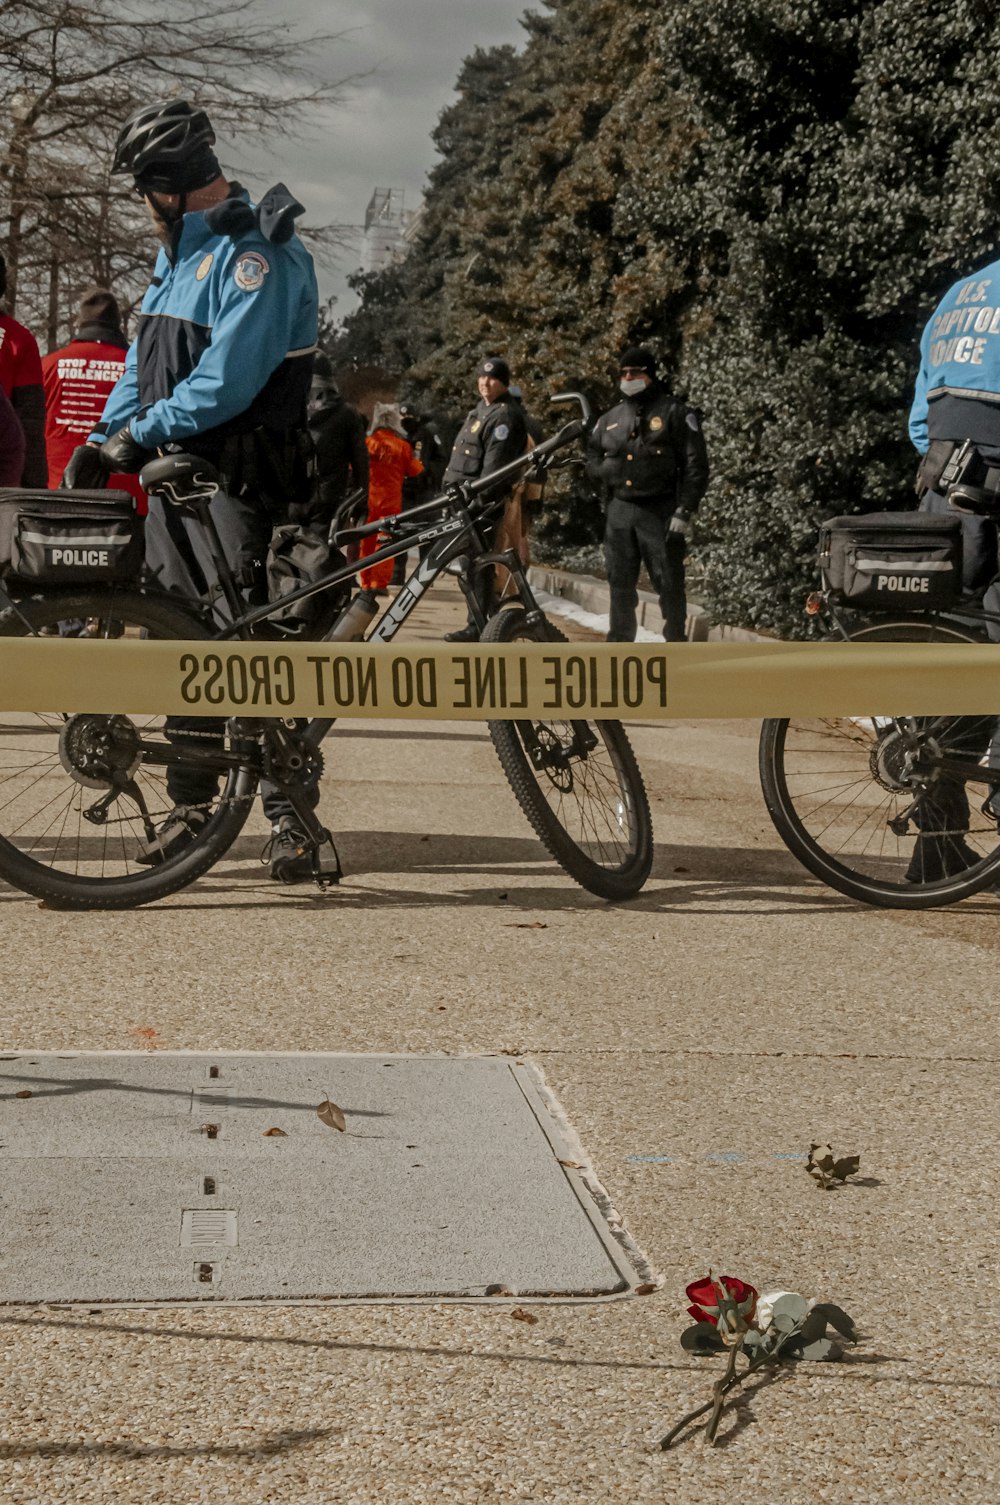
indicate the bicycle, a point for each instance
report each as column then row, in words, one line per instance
column 882, row 808
column 78, row 793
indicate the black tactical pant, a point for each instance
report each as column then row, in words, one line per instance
column 179, row 561
column 635, row 536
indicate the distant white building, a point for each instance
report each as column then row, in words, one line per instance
column 387, row 223
column 383, row 237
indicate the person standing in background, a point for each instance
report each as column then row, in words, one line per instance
column 392, row 463
column 494, row 434
column 338, row 435
column 11, row 443
column 78, row 381
column 21, row 381
column 649, row 453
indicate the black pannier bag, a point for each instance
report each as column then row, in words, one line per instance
column 297, row 557
column 70, row 537
column 890, row 560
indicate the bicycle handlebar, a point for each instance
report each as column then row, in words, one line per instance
column 460, row 496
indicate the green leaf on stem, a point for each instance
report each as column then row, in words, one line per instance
column 702, row 1339
column 837, row 1319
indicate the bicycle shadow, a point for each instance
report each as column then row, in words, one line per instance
column 682, row 877
column 685, row 878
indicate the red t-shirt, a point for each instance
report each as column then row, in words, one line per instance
column 78, row 381
column 20, row 363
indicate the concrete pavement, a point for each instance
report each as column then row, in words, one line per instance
column 698, row 1039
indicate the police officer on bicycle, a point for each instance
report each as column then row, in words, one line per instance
column 649, row 452
column 221, row 368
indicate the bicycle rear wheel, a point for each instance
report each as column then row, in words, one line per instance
column 578, row 783
column 841, row 792
column 79, row 794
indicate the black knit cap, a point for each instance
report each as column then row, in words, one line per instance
column 639, row 359
column 497, row 367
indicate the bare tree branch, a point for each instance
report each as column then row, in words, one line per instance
column 71, row 72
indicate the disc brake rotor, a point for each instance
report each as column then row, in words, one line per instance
column 553, row 759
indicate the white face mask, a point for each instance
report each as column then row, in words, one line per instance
column 633, row 387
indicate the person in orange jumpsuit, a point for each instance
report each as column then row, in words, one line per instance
column 391, row 462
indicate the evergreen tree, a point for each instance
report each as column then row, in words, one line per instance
column 847, row 174
column 773, row 194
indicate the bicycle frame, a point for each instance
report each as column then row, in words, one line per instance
column 456, row 540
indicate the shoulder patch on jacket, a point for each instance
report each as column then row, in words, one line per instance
column 501, row 430
column 251, row 269
column 692, row 420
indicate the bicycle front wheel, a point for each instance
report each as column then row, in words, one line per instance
column 867, row 804
column 578, row 783
column 82, row 795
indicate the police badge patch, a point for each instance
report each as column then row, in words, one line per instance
column 692, row 420
column 656, row 423
column 250, row 272
column 502, row 431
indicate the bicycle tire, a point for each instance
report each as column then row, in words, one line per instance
column 879, row 879
column 606, row 865
column 22, row 736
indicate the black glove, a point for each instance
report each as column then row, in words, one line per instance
column 85, row 471
column 122, row 455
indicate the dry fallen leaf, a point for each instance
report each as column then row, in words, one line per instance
column 525, row 925
column 825, row 1169
column 147, row 1035
column 648, row 1289
column 520, row 1315
column 331, row 1115
column 275, row 1134
column 573, row 1165
column 24, row 1093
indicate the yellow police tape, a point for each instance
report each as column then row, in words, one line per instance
column 436, row 681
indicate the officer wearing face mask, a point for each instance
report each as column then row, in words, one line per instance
column 649, row 453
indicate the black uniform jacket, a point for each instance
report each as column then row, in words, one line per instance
column 492, row 436
column 338, row 433
column 650, row 449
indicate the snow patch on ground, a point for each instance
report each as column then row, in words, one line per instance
column 560, row 607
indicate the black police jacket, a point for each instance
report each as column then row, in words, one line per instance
column 492, row 436
column 338, row 435
column 650, row 449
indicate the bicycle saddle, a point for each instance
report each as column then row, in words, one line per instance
column 180, row 479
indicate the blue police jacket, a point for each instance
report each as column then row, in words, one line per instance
column 958, row 387
column 226, row 332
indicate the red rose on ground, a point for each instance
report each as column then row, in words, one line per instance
column 704, row 1298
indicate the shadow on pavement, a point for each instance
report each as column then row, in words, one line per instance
column 854, row 1367
column 60, row 1087
column 720, row 879
column 271, row 1447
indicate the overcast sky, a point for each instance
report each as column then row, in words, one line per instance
column 380, row 137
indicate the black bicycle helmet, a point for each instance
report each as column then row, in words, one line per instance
column 167, row 147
